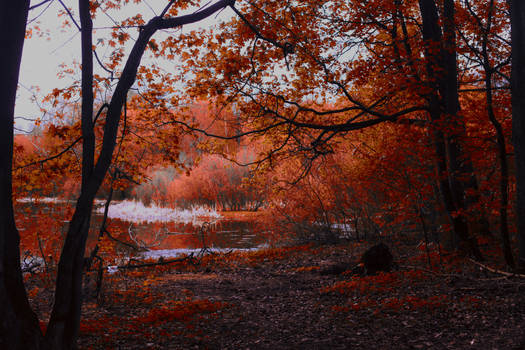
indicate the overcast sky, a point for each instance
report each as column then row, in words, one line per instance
column 43, row 55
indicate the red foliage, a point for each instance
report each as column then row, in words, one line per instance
column 382, row 283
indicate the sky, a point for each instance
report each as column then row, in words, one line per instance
column 42, row 55
column 40, row 63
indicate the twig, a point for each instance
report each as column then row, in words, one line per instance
column 39, row 4
column 430, row 271
column 102, row 65
column 70, row 147
column 42, row 161
column 500, row 272
column 70, row 15
column 42, row 251
column 134, row 247
column 160, row 262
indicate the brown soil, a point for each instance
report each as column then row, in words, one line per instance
column 280, row 303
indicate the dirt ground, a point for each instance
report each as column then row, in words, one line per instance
column 291, row 301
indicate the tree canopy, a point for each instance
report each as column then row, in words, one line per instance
column 387, row 116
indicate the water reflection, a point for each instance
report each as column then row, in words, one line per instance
column 45, row 220
column 173, row 235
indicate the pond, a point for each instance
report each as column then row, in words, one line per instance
column 170, row 239
column 157, row 231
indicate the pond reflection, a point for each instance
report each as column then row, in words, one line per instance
column 218, row 233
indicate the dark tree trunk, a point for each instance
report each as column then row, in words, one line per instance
column 517, row 20
column 461, row 167
column 453, row 165
column 501, row 144
column 19, row 328
column 504, row 177
column 62, row 331
column 63, row 326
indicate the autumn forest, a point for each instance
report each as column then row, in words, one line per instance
column 265, row 174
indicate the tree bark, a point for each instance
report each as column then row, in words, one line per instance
column 501, row 143
column 62, row 331
column 461, row 172
column 19, row 327
column 517, row 20
column 453, row 165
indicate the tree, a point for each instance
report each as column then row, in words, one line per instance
column 444, row 107
column 214, row 182
column 63, row 326
column 301, row 76
column 492, row 55
column 300, row 60
column 517, row 20
column 19, row 328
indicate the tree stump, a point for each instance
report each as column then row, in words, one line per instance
column 377, row 258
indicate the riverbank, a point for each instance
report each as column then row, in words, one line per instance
column 281, row 299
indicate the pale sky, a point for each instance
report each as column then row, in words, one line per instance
column 43, row 55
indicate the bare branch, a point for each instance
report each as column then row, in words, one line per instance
column 70, row 14
column 42, row 161
column 39, row 4
column 102, row 65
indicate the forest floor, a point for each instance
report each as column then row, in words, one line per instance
column 286, row 298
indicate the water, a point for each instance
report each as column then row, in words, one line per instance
column 176, row 235
column 160, row 237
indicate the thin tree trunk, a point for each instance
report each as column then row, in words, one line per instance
column 504, row 175
column 517, row 20
column 19, row 328
column 500, row 139
column 62, row 331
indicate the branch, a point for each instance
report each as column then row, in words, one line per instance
column 132, row 246
column 160, row 262
column 256, row 31
column 128, row 78
column 223, row 137
column 166, row 23
column 39, row 4
column 499, row 272
column 41, row 12
column 42, row 161
column 102, row 66
column 70, row 15
column 349, row 126
column 167, row 8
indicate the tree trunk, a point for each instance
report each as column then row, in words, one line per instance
column 501, row 143
column 62, row 331
column 63, row 328
column 517, row 20
column 440, row 53
column 461, row 167
column 504, row 178
column 19, row 328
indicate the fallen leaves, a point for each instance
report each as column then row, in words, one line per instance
column 250, row 301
